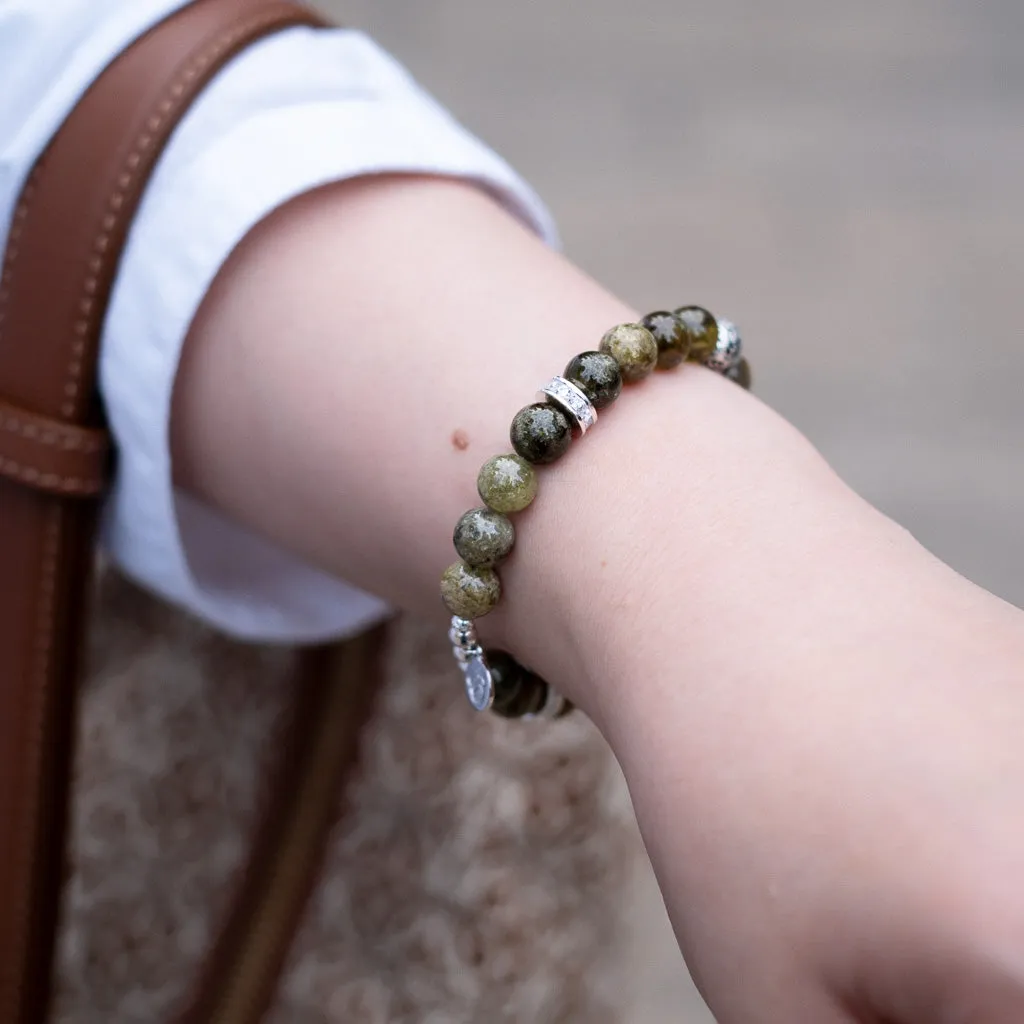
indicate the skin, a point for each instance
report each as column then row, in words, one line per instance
column 821, row 725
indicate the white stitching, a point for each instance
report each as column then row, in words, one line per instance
column 49, row 481
column 55, row 437
column 13, row 238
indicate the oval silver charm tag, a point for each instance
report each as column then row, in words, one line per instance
column 479, row 682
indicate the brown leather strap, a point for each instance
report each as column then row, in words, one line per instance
column 61, row 458
column 66, row 237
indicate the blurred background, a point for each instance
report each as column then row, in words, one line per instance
column 844, row 179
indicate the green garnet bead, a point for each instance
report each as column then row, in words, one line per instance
column 517, row 691
column 484, row 537
column 597, row 375
column 469, row 591
column 634, row 348
column 541, row 433
column 702, row 329
column 507, row 483
column 672, row 337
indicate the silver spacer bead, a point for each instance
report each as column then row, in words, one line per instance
column 569, row 397
column 462, row 632
column 729, row 348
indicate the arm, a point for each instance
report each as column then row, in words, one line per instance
column 819, row 722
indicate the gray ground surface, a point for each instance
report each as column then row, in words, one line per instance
column 844, row 180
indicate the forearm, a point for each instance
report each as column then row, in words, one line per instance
column 363, row 353
column 358, row 359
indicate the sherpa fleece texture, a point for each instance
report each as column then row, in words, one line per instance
column 479, row 876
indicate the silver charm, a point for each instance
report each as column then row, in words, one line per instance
column 728, row 349
column 569, row 397
column 470, row 658
column 479, row 682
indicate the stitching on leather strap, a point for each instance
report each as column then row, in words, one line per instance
column 50, row 481
column 14, row 239
column 62, row 458
column 175, row 91
column 55, row 437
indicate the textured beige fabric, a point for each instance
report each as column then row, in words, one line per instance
column 479, row 877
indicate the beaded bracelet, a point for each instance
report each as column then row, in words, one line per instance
column 541, row 433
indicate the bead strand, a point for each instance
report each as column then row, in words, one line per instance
column 541, row 433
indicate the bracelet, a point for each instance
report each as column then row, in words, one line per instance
column 542, row 433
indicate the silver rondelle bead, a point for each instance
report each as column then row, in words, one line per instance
column 462, row 632
column 465, row 644
column 568, row 397
column 728, row 349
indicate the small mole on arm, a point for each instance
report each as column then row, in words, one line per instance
column 460, row 440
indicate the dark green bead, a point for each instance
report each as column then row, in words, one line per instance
column 702, row 329
column 597, row 375
column 740, row 374
column 483, row 537
column 468, row 591
column 541, row 433
column 671, row 335
column 517, row 691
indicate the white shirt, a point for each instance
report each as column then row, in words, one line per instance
column 295, row 111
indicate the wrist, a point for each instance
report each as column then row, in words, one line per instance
column 686, row 537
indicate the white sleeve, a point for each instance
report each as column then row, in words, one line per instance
column 294, row 112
